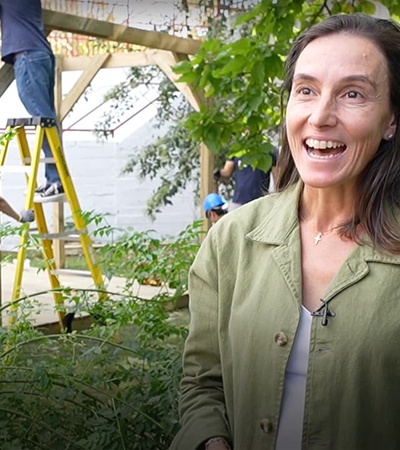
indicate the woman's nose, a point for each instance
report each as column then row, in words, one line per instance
column 323, row 113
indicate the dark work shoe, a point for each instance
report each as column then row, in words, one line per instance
column 54, row 193
column 42, row 188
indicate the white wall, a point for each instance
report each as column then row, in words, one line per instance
column 96, row 171
column 132, row 193
column 96, row 166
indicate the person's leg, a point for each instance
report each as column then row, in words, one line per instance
column 34, row 75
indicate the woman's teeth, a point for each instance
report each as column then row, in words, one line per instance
column 314, row 143
column 315, row 146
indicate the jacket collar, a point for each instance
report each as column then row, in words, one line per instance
column 282, row 219
column 372, row 255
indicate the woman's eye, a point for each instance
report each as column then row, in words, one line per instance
column 353, row 94
column 304, row 91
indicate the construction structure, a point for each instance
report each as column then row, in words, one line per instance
column 88, row 36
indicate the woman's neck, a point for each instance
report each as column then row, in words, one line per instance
column 326, row 208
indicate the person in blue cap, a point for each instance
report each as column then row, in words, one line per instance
column 215, row 207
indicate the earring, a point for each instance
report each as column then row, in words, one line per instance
column 389, row 137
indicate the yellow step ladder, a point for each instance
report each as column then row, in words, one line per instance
column 30, row 162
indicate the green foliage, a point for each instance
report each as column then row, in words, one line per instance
column 173, row 156
column 96, row 390
column 141, row 257
column 242, row 77
column 115, row 384
column 8, row 136
column 165, row 160
column 239, row 68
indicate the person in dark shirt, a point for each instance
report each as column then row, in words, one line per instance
column 24, row 45
column 249, row 183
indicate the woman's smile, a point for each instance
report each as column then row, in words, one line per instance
column 323, row 150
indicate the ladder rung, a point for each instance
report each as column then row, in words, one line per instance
column 23, row 169
column 15, row 169
column 61, row 198
column 63, row 235
column 41, row 160
column 82, row 273
column 31, row 121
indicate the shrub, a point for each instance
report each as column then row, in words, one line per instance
column 113, row 385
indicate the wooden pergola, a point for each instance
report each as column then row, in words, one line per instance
column 161, row 49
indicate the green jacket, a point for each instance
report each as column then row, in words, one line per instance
column 245, row 302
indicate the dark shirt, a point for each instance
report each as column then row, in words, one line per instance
column 250, row 183
column 21, row 28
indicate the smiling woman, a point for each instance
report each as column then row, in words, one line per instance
column 294, row 297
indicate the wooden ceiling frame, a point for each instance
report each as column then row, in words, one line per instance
column 162, row 49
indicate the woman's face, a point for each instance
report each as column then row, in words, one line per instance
column 338, row 110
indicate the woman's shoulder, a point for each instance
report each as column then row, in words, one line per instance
column 272, row 207
column 253, row 210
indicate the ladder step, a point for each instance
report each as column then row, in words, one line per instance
column 26, row 168
column 72, row 235
column 59, row 198
column 15, row 169
column 31, row 121
column 41, row 160
column 82, row 273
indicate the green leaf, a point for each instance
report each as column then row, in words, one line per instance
column 234, row 67
column 367, row 7
column 258, row 74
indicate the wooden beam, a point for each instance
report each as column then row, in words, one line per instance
column 118, row 33
column 166, row 60
column 58, row 86
column 115, row 60
column 206, row 179
column 82, row 83
column 6, row 77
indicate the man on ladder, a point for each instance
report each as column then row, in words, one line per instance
column 24, row 45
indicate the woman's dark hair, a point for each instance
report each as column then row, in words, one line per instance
column 379, row 184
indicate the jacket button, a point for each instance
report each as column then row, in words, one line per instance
column 266, row 425
column 280, row 339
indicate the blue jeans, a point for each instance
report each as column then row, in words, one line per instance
column 34, row 74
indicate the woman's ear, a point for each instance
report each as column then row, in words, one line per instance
column 391, row 129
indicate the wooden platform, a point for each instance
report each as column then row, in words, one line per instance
column 36, row 281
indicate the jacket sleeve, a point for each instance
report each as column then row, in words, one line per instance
column 202, row 405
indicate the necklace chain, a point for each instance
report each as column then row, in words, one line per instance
column 318, row 237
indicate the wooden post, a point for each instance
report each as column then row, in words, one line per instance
column 206, row 179
column 58, row 207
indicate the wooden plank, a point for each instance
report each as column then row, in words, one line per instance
column 206, row 180
column 82, row 83
column 118, row 33
column 166, row 60
column 58, row 228
column 6, row 77
column 116, row 60
column 58, row 85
